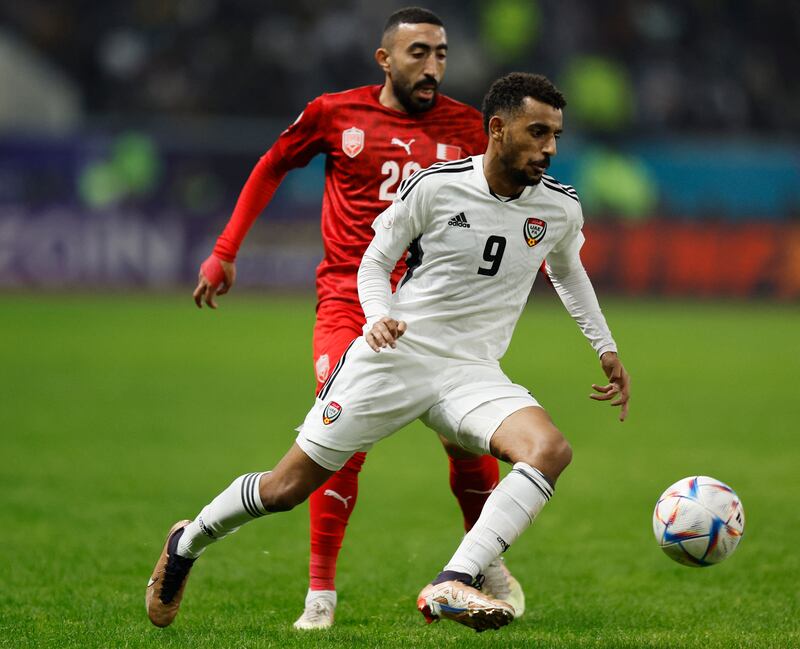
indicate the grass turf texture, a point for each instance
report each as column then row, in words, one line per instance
column 120, row 415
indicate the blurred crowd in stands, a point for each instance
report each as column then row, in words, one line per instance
column 651, row 66
column 163, row 106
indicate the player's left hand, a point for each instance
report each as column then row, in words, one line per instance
column 619, row 384
column 385, row 332
column 216, row 277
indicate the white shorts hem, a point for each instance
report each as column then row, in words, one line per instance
column 478, row 426
column 327, row 458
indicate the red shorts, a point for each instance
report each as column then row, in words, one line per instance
column 338, row 323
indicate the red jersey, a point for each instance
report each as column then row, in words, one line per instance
column 370, row 149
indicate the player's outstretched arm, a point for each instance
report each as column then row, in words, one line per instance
column 294, row 148
column 619, row 384
column 216, row 277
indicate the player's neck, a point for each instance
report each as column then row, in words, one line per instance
column 388, row 99
column 498, row 181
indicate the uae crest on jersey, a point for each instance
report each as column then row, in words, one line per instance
column 534, row 231
column 352, row 141
column 331, row 413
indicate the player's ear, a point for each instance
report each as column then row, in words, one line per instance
column 496, row 126
column 382, row 58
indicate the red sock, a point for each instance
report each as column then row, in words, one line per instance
column 472, row 481
column 329, row 516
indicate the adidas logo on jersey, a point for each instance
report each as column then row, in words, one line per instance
column 459, row 221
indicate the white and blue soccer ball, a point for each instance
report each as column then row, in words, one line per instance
column 698, row 521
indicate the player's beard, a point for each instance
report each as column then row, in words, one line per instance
column 522, row 177
column 519, row 175
column 404, row 91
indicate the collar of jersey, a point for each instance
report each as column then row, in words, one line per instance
column 505, row 199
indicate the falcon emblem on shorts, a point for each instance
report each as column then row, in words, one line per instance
column 352, row 141
column 331, row 413
column 323, row 368
column 534, row 231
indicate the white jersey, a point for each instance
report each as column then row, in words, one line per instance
column 473, row 257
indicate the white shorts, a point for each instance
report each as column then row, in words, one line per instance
column 369, row 396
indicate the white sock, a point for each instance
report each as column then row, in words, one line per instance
column 312, row 595
column 508, row 512
column 238, row 504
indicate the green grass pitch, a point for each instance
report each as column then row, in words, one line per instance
column 121, row 414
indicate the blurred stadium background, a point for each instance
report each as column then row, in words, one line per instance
column 128, row 128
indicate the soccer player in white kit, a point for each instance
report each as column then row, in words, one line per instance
column 476, row 230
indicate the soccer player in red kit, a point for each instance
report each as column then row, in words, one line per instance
column 373, row 137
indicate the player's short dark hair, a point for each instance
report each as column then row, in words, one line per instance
column 412, row 16
column 508, row 92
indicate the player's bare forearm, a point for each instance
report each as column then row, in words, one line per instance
column 384, row 333
column 216, row 277
column 618, row 387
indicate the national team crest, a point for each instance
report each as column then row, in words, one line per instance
column 448, row 151
column 352, row 141
column 534, row 231
column 331, row 413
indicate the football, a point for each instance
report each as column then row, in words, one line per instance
column 698, row 521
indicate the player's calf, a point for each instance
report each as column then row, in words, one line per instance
column 291, row 482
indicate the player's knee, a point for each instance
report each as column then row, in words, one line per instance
column 548, row 451
column 556, row 452
column 561, row 453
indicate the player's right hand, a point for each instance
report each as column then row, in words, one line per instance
column 385, row 332
column 216, row 277
column 619, row 384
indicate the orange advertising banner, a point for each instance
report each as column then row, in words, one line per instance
column 719, row 259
